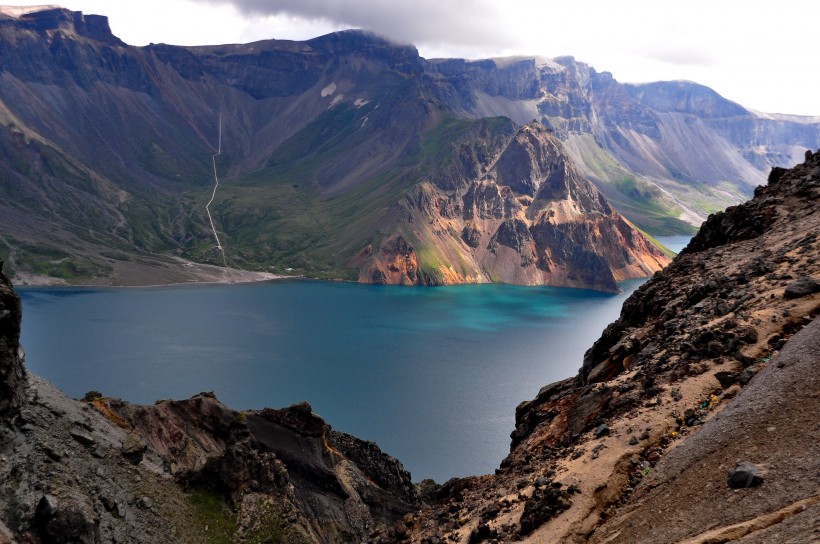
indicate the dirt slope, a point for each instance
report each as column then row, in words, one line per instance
column 773, row 424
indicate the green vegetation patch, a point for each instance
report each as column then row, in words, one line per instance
column 332, row 130
column 213, row 513
column 430, row 263
column 666, row 251
column 46, row 260
column 643, row 195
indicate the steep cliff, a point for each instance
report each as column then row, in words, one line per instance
column 515, row 211
column 286, row 466
column 637, row 141
column 699, row 374
column 325, row 143
column 12, row 373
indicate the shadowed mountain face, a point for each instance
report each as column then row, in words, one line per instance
column 348, row 156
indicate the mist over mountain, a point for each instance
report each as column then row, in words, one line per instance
column 349, row 156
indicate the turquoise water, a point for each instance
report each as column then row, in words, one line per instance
column 433, row 375
column 675, row 243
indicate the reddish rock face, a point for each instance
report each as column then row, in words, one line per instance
column 522, row 215
column 290, row 456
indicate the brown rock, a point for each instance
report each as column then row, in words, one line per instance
column 133, row 448
column 801, row 287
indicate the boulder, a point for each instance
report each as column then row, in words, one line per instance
column 65, row 521
column 801, row 287
column 544, row 504
column 133, row 448
column 587, row 409
column 745, row 474
column 82, row 437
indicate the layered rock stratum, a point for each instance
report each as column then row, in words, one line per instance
column 514, row 210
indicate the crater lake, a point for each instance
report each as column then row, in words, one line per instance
column 433, row 375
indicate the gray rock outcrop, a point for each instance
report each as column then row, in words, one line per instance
column 12, row 372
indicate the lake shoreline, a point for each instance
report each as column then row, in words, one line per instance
column 178, row 271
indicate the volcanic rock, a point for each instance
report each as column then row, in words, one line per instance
column 12, row 372
column 133, row 448
column 801, row 287
column 743, row 475
column 707, row 321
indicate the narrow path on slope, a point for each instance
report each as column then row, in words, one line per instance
column 213, row 195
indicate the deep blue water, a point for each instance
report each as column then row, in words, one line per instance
column 433, row 375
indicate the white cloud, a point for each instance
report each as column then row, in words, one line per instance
column 680, row 56
column 470, row 22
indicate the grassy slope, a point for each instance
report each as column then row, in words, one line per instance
column 643, row 203
column 281, row 218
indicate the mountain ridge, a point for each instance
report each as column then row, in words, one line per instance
column 316, row 133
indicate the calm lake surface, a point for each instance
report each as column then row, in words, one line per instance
column 433, row 375
column 675, row 243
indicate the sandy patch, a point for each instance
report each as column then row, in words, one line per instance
column 329, row 90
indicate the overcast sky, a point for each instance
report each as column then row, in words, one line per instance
column 763, row 55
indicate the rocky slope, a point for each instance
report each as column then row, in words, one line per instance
column 105, row 158
column 179, row 471
column 713, row 362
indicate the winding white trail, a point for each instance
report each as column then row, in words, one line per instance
column 213, row 195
